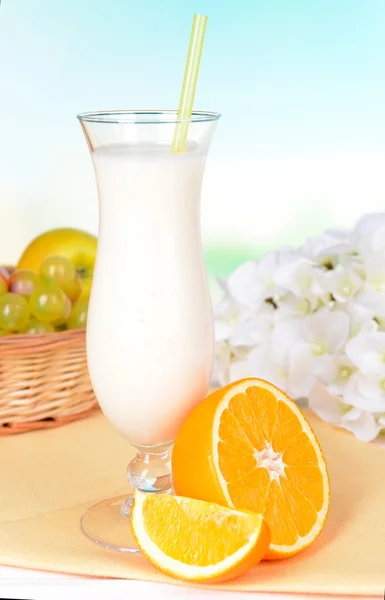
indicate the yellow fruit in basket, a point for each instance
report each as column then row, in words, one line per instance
column 49, row 304
column 76, row 245
column 14, row 312
column 78, row 318
column 63, row 272
column 34, row 326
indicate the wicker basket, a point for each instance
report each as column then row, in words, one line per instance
column 44, row 381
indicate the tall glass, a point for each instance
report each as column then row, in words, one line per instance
column 150, row 342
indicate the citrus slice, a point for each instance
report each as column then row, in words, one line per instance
column 195, row 540
column 248, row 446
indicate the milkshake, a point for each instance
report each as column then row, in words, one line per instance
column 150, row 331
column 150, row 342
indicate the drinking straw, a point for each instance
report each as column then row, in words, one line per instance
column 189, row 82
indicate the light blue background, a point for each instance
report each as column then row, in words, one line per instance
column 300, row 84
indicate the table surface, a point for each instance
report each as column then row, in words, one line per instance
column 41, row 585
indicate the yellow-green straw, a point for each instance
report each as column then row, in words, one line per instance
column 189, row 81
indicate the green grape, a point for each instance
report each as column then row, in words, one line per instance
column 23, row 282
column 78, row 318
column 59, row 323
column 35, row 326
column 14, row 312
column 47, row 302
column 60, row 270
column 3, row 286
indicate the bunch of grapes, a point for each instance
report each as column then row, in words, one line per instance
column 49, row 301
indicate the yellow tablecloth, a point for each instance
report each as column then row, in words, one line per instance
column 48, row 478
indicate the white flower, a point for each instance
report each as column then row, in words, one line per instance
column 252, row 282
column 365, row 393
column 374, row 301
column 262, row 363
column 312, row 321
column 225, row 357
column 292, row 305
column 361, row 319
column 255, row 329
column 228, row 315
column 334, row 410
column 368, row 224
column 324, row 332
column 362, row 423
column 369, row 234
column 270, row 360
column 367, row 353
column 327, row 406
column 374, row 269
column 342, row 283
column 221, row 370
column 328, row 247
column 372, row 296
column 301, row 277
column 334, row 371
column 327, row 330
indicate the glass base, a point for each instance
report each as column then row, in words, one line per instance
column 107, row 524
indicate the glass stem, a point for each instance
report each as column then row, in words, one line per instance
column 149, row 472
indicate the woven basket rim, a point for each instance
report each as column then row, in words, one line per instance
column 15, row 338
column 25, row 343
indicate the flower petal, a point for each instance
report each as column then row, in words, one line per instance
column 325, row 245
column 367, row 352
column 326, row 368
column 378, row 239
column 224, row 305
column 328, row 407
column 293, row 275
column 362, row 424
column 292, row 305
column 373, row 390
column 343, row 284
column 374, row 268
column 245, row 286
column 287, row 332
column 327, row 328
column 241, row 370
column 361, row 319
column 255, row 330
column 361, row 395
column 372, row 299
column 301, row 364
column 262, row 365
column 222, row 330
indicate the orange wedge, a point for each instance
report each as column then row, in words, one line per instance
column 248, row 446
column 195, row 540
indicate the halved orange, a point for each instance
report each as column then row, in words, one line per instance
column 195, row 540
column 248, row 446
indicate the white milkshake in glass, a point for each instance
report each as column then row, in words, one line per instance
column 150, row 334
column 150, row 342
